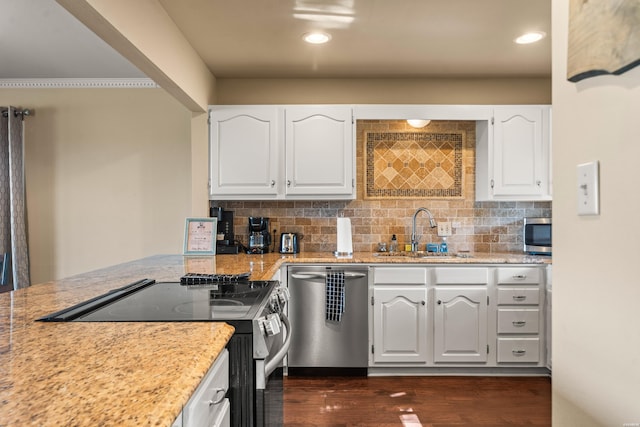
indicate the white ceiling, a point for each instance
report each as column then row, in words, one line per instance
column 262, row 38
column 40, row 40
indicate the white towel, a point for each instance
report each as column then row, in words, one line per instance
column 334, row 290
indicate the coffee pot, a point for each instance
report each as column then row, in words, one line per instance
column 259, row 236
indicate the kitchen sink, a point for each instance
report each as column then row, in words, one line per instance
column 419, row 254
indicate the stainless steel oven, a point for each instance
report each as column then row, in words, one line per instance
column 254, row 308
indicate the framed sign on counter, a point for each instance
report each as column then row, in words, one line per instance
column 200, row 236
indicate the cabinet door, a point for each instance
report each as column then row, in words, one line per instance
column 521, row 152
column 400, row 324
column 245, row 151
column 460, row 324
column 319, row 151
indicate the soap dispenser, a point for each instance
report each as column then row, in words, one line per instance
column 444, row 248
column 393, row 247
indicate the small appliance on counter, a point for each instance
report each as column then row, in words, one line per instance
column 537, row 236
column 259, row 235
column 289, row 243
column 225, row 243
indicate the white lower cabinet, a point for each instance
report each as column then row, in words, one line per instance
column 462, row 317
column 460, row 314
column 399, row 316
column 208, row 406
column 400, row 324
column 460, row 324
column 520, row 316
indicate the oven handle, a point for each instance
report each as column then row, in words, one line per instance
column 273, row 363
column 347, row 275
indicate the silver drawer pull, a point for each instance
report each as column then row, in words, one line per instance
column 519, row 276
column 519, row 323
column 519, row 297
column 518, row 352
column 219, row 396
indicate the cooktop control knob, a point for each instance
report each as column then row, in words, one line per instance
column 274, row 304
column 283, row 295
column 272, row 324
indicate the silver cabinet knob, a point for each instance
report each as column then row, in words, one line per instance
column 218, row 397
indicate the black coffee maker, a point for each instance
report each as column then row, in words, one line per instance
column 259, row 236
column 225, row 243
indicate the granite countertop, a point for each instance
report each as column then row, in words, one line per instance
column 134, row 373
column 99, row 374
column 406, row 258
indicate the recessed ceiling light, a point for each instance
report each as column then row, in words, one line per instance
column 316, row 38
column 531, row 37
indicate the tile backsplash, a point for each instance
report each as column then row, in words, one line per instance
column 477, row 226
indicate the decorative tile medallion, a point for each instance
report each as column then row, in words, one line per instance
column 414, row 165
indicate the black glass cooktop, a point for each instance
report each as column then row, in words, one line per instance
column 173, row 302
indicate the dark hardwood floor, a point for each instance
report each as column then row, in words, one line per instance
column 417, row 401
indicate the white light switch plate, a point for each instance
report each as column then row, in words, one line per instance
column 588, row 191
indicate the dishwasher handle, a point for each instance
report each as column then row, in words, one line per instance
column 347, row 275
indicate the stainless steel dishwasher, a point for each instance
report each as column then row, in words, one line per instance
column 324, row 336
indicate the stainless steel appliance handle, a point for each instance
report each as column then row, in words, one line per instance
column 273, row 363
column 347, row 275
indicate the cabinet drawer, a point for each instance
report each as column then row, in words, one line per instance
column 200, row 410
column 525, row 350
column 519, row 275
column 462, row 276
column 518, row 321
column 400, row 276
column 518, row 296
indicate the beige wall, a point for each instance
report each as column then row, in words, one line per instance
column 384, row 91
column 108, row 176
column 596, row 338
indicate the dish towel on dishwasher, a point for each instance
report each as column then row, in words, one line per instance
column 334, row 290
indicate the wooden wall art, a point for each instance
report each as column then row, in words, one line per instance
column 604, row 37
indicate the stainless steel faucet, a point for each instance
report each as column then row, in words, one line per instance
column 414, row 237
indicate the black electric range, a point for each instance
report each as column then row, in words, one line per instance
column 150, row 301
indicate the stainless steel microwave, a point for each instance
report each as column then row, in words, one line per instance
column 537, row 236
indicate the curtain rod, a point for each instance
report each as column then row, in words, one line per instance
column 17, row 112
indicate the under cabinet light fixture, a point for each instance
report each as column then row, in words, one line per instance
column 418, row 123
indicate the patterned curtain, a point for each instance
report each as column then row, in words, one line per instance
column 13, row 228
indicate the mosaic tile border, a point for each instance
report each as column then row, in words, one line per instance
column 416, row 151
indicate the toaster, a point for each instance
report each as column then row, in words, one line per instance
column 289, row 243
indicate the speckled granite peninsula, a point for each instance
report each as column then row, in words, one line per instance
column 133, row 374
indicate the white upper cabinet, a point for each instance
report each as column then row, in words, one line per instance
column 281, row 152
column 245, row 152
column 319, row 151
column 513, row 160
